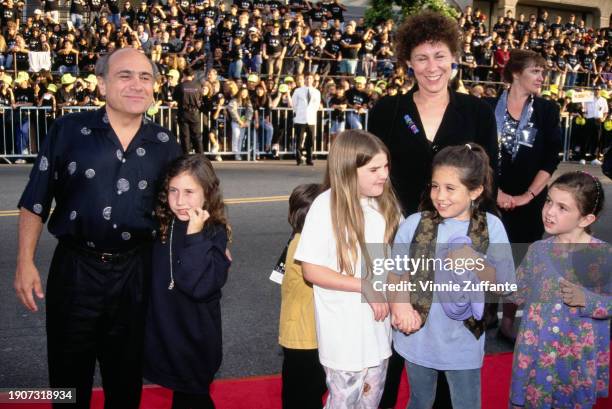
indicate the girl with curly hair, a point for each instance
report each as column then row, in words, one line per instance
column 183, row 328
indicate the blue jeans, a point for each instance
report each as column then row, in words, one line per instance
column 22, row 134
column 267, row 132
column 238, row 137
column 353, row 120
column 115, row 19
column 235, row 69
column 570, row 79
column 77, row 20
column 63, row 69
column 337, row 126
column 348, row 67
column 464, row 387
column 254, row 63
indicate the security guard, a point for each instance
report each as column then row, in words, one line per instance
column 188, row 95
column 103, row 169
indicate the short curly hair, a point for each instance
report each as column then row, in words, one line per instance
column 426, row 27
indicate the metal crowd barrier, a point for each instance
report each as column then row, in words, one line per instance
column 270, row 132
column 23, row 129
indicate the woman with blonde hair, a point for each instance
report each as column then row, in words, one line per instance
column 357, row 207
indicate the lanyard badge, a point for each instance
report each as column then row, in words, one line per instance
column 411, row 124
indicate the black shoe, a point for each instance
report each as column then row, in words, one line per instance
column 310, row 163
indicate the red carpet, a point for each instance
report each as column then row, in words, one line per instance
column 263, row 392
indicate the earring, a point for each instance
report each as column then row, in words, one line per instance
column 454, row 66
column 410, row 71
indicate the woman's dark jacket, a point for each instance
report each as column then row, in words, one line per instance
column 395, row 120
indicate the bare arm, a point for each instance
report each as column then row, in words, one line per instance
column 330, row 279
column 27, row 277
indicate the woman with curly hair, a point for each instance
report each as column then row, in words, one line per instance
column 183, row 328
column 418, row 124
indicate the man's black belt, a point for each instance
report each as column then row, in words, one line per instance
column 103, row 257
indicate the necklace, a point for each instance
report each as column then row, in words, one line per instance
column 171, row 285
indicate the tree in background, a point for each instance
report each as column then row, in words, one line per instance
column 381, row 10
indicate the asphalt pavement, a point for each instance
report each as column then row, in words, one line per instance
column 257, row 196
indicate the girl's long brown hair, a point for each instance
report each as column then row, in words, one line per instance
column 351, row 150
column 201, row 169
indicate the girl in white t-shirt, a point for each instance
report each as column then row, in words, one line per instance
column 358, row 207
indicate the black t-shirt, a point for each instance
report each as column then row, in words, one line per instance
column 561, row 62
column 51, row 5
column 467, row 58
column 113, row 6
column 274, row 43
column 601, row 54
column 211, row 12
column 357, row 98
column 243, row 5
column 333, row 47
column 225, row 37
column 24, row 95
column 317, row 14
column 337, row 114
column 588, row 62
column 572, row 60
column 88, row 62
column 237, row 52
column 23, row 61
column 254, row 47
column 8, row 14
column 484, row 56
column 336, row 11
column 286, row 34
column 188, row 95
column 274, row 5
column 314, row 51
column 259, row 4
column 192, row 17
column 5, row 99
column 240, row 32
column 535, row 44
column 349, row 52
column 34, row 44
column 143, row 16
column 77, row 7
column 368, row 46
column 95, row 5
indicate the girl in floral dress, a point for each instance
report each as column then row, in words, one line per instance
column 562, row 352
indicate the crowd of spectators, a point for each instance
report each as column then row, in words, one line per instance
column 48, row 59
column 575, row 55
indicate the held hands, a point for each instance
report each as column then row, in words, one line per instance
column 572, row 294
column 197, row 218
column 27, row 278
column 404, row 318
column 505, row 201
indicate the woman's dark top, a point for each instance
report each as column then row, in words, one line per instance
column 183, row 347
column 524, row 224
column 396, row 121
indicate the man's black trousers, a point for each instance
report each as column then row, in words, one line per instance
column 95, row 311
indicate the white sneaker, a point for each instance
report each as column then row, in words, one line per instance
column 582, row 162
column 218, row 158
column 596, row 162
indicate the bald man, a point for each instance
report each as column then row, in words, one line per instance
column 102, row 169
